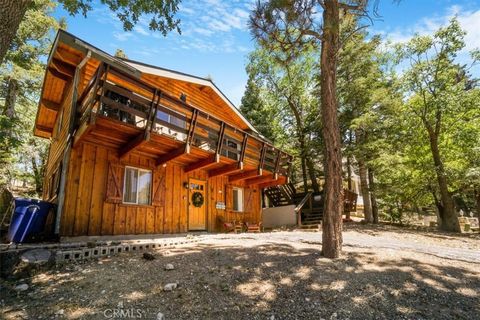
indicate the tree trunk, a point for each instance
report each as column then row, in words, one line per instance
column 11, row 98
column 367, row 207
column 11, row 14
column 304, row 170
column 349, row 163
column 333, row 207
column 373, row 197
column 313, row 177
column 476, row 193
column 449, row 219
column 37, row 177
column 349, row 173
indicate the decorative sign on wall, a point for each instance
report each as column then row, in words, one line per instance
column 220, row 205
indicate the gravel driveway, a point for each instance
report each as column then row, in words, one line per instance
column 384, row 273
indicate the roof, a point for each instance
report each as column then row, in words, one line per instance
column 168, row 73
column 137, row 68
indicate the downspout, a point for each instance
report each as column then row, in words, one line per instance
column 66, row 155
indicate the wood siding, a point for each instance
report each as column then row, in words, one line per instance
column 90, row 211
column 57, row 145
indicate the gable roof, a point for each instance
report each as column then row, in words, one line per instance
column 177, row 75
column 138, row 68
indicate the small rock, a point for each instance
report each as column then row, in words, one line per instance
column 160, row 316
column 103, row 291
column 169, row 266
column 120, row 305
column 60, row 312
column 148, row 256
column 307, row 299
column 21, row 287
column 36, row 256
column 170, row 286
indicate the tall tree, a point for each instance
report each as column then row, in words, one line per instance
column 437, row 93
column 161, row 13
column 359, row 79
column 20, row 76
column 289, row 89
column 291, row 26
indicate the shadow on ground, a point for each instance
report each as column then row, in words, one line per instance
column 263, row 281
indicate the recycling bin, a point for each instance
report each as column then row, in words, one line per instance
column 28, row 220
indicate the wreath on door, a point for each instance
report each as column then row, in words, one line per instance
column 197, row 199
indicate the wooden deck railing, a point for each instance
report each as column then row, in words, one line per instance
column 116, row 95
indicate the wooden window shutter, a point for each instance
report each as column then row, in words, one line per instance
column 248, row 200
column 115, row 182
column 158, row 190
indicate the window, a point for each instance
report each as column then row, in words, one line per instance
column 230, row 153
column 238, row 199
column 137, row 186
column 174, row 121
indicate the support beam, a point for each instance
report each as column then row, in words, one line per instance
column 134, row 144
column 171, row 155
column 59, row 75
column 244, row 175
column 211, row 160
column 44, row 129
column 282, row 180
column 54, row 106
column 260, row 180
column 230, row 168
column 62, row 67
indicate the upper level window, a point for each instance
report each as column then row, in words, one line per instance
column 237, row 199
column 176, row 122
column 137, row 186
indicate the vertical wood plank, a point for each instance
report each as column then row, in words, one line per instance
column 98, row 191
column 71, row 192
column 130, row 220
column 107, row 218
column 119, row 221
column 82, row 211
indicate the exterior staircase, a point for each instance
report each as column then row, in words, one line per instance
column 308, row 206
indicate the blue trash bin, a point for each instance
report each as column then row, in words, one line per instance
column 28, row 220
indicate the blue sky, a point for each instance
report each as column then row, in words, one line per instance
column 215, row 39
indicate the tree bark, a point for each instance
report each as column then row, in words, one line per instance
column 367, row 207
column 373, row 197
column 11, row 98
column 476, row 193
column 303, row 162
column 448, row 216
column 11, row 14
column 333, row 207
column 311, row 173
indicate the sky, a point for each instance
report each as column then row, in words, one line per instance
column 215, row 40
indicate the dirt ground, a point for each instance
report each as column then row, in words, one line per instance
column 384, row 273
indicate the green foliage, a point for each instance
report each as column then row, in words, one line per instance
column 161, row 12
column 281, row 99
column 21, row 75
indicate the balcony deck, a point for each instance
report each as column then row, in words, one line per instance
column 133, row 116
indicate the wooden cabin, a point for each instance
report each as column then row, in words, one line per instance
column 138, row 149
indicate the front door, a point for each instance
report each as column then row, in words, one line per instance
column 197, row 214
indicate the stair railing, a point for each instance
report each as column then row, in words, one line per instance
column 298, row 208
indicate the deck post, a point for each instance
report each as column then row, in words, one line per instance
column 262, row 159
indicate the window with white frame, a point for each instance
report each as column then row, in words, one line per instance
column 137, row 186
column 237, row 199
